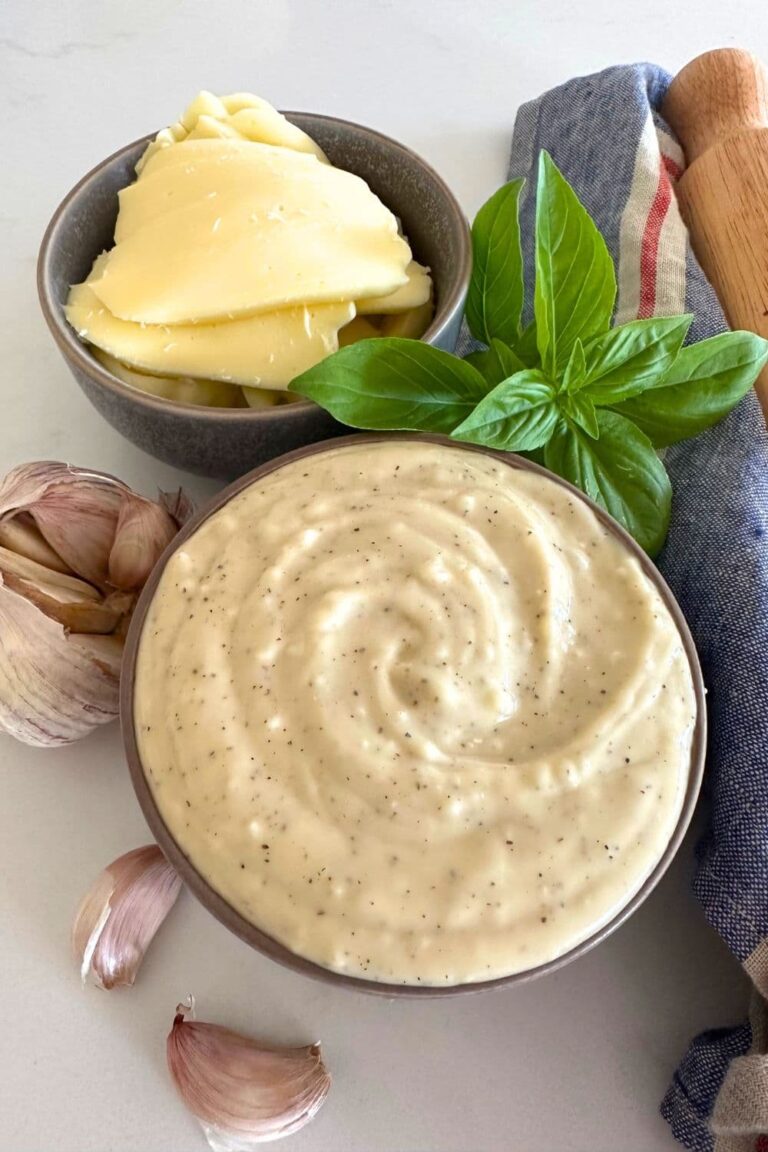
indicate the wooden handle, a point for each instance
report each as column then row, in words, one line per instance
column 718, row 108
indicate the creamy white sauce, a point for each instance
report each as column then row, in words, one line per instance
column 417, row 715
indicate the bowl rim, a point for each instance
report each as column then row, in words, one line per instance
column 262, row 941
column 75, row 351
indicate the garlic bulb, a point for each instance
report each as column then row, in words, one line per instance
column 243, row 1093
column 75, row 548
column 119, row 916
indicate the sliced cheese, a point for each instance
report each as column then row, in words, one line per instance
column 237, row 100
column 358, row 329
column 204, row 104
column 265, row 351
column 261, row 398
column 182, row 389
column 179, row 178
column 241, row 259
column 260, row 122
column 417, row 291
column 240, row 115
column 208, row 128
column 252, row 229
column 411, row 324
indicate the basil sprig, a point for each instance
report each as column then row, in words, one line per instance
column 575, row 282
column 590, row 401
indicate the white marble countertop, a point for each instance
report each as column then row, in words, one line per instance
column 577, row 1061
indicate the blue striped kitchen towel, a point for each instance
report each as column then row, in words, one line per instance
column 606, row 135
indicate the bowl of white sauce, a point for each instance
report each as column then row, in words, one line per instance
column 413, row 716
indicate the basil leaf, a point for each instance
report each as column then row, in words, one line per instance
column 576, row 372
column 495, row 296
column 496, row 363
column 705, row 382
column 394, row 383
column 620, row 472
column 518, row 415
column 633, row 357
column 526, row 347
column 581, row 411
column 575, row 281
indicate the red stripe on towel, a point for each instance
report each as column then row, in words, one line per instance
column 649, row 250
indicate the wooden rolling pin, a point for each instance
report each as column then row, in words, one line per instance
column 718, row 108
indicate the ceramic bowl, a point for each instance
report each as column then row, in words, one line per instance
column 226, row 442
column 267, row 944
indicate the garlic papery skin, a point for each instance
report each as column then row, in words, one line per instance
column 118, row 918
column 54, row 688
column 243, row 1093
column 178, row 505
column 76, row 546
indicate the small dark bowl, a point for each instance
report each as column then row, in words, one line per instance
column 226, row 442
column 266, row 944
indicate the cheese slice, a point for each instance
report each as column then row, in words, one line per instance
column 209, row 128
column 241, row 115
column 181, row 389
column 358, row 329
column 416, row 292
column 179, row 178
column 261, row 398
column 265, row 351
column 411, row 324
column 252, row 229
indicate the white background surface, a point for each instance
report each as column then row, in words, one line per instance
column 578, row 1061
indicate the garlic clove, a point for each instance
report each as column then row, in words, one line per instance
column 78, row 616
column 79, row 522
column 143, row 530
column 241, row 1092
column 118, row 918
column 61, row 585
column 52, row 689
column 22, row 536
column 74, row 603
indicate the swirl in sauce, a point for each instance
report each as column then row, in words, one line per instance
column 416, row 714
